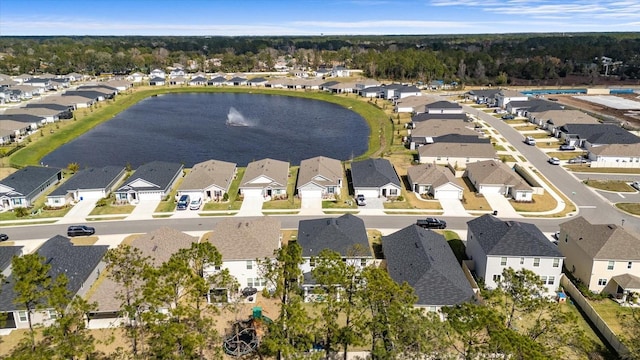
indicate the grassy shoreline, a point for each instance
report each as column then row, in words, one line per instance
column 380, row 130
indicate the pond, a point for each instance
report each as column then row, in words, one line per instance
column 194, row 127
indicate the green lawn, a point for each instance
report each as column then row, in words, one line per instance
column 234, row 203
column 631, row 208
column 565, row 155
column 456, row 244
column 112, row 209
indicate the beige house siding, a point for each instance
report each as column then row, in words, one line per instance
column 577, row 261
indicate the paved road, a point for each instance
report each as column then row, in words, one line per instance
column 590, row 205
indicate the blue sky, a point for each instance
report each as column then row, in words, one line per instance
column 314, row 17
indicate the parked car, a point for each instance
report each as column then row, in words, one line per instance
column 567, row 147
column 508, row 117
column 578, row 160
column 4, row 237
column 183, row 202
column 195, row 204
column 636, row 185
column 554, row 161
column 530, row 141
column 360, row 200
column 80, row 230
column 432, row 223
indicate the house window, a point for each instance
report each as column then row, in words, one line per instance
column 602, row 282
column 331, row 190
column 629, row 265
column 503, row 261
column 393, row 192
column 551, row 280
column 249, row 264
column 312, row 262
column 521, row 261
column 217, row 267
column 611, row 264
column 52, row 314
column 22, row 316
column 543, row 279
column 556, row 262
column 496, row 277
column 249, row 282
column 536, row 262
column 363, row 262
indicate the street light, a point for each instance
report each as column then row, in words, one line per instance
column 622, row 222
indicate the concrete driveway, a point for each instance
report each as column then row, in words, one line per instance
column 144, row 210
column 453, row 207
column 501, row 204
column 251, row 206
column 310, row 206
column 78, row 212
column 374, row 206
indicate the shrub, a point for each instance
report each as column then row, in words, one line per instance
column 400, row 198
column 225, row 197
column 21, row 212
column 102, row 202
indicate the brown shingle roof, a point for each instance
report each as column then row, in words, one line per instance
column 435, row 128
column 494, row 172
column 430, row 174
column 275, row 170
column 246, row 239
column 320, row 170
column 470, row 150
column 603, row 241
column 562, row 117
column 616, row 150
column 208, row 173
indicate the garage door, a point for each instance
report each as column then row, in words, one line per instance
column 252, row 193
column 310, row 194
column 490, row 189
column 447, row 194
column 368, row 193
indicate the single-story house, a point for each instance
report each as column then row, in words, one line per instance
column 320, row 177
column 424, row 132
column 151, row 181
column 424, row 260
column 412, row 104
column 157, row 73
column 178, row 80
column 375, row 178
column 436, row 181
column 495, row 245
column 594, row 135
column 486, row 96
column 551, row 120
column 236, row 81
column 217, row 81
column 371, row 92
column 21, row 188
column 503, row 97
column 197, row 81
column 259, row 81
column 459, row 155
column 157, row 81
column 443, row 107
column 266, row 178
column 524, row 108
column 495, row 177
column 88, row 184
column 208, row 180
column 615, row 155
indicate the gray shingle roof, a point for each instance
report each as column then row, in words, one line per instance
column 90, row 179
column 601, row 133
column 246, row 239
column 373, row 173
column 511, row 238
column 158, row 173
column 76, row 262
column 23, row 118
column 603, row 241
column 426, row 116
column 443, row 105
column 344, row 235
column 441, row 127
column 28, row 179
column 6, row 254
column 426, row 262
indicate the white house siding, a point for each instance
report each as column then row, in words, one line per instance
column 310, row 192
column 251, row 192
column 150, row 195
column 58, row 201
column 444, row 111
column 522, row 195
column 368, row 192
column 614, row 161
column 403, row 95
column 94, row 194
column 491, row 189
column 447, row 191
column 545, row 269
column 461, row 162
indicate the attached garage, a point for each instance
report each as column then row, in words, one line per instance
column 368, row 193
column 90, row 194
column 448, row 191
column 491, row 189
column 310, row 193
column 252, row 192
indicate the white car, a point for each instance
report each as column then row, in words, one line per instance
column 636, row 185
column 554, row 161
column 195, row 204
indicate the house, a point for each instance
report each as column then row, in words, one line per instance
column 428, row 117
column 487, row 96
column 236, row 81
column 119, row 85
column 81, row 264
column 615, row 155
column 158, row 246
column 435, row 181
column 340, row 71
column 31, row 121
column 412, row 104
column 11, row 130
column 21, row 188
column 495, row 177
column 443, row 107
column 157, row 81
column 495, row 245
column 365, row 84
column 266, row 178
column 242, row 243
column 177, row 73
column 75, row 102
column 88, row 184
column 503, row 97
column 424, row 132
column 371, row 92
column 217, row 81
column 345, row 235
column 340, row 87
column 49, row 115
column 524, row 108
column 178, row 80
column 589, row 136
column 553, row 120
column 375, row 178
column 151, row 181
column 320, row 177
column 259, row 81
column 6, row 255
column 424, row 260
column 457, row 155
column 208, row 180
column 601, row 256
column 399, row 91
column 157, row 73
column 136, row 77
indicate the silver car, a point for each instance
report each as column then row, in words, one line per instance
column 554, row 161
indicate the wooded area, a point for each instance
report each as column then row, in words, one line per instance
column 524, row 59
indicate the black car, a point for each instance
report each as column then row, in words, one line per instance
column 80, row 230
column 4, row 237
column 432, row 223
column 567, row 147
